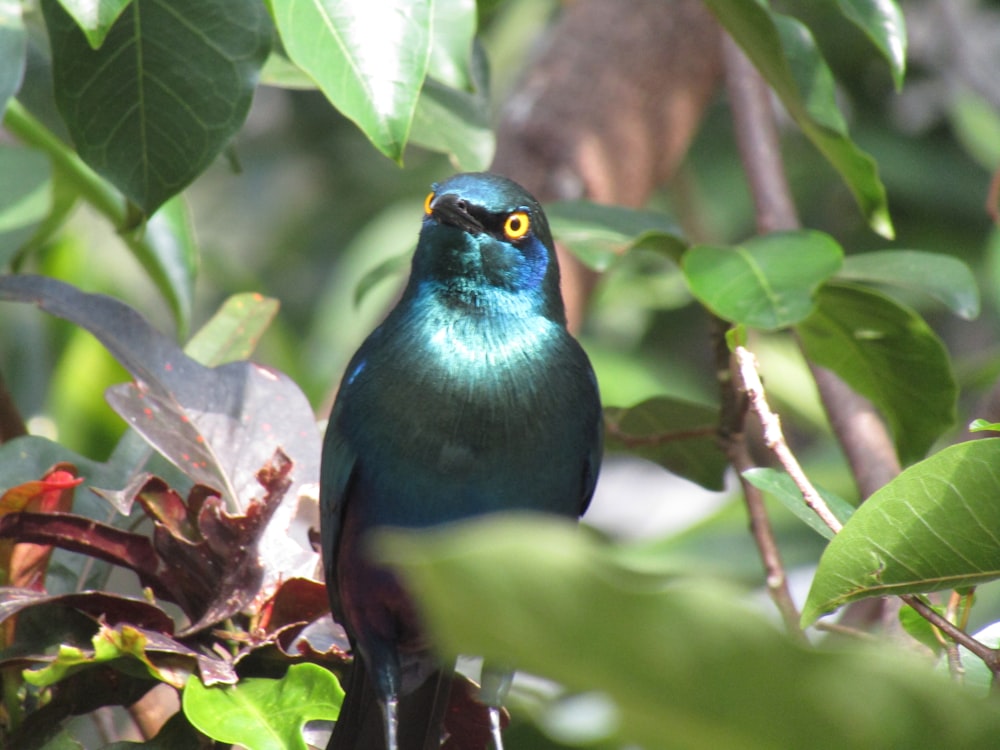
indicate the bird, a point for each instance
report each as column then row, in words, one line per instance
column 470, row 398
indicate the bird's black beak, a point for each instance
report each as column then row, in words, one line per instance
column 449, row 208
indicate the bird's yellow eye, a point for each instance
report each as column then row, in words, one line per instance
column 517, row 225
column 427, row 202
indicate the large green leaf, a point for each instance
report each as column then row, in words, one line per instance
column 95, row 19
column 369, row 59
column 887, row 353
column 768, row 282
column 168, row 89
column 264, row 714
column 686, row 665
column 882, row 21
column 943, row 277
column 598, row 234
column 785, row 53
column 935, row 526
column 678, row 435
column 13, row 47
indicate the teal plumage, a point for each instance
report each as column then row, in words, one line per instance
column 470, row 398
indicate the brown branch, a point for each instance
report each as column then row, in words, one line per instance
column 990, row 656
column 659, row 438
column 774, row 438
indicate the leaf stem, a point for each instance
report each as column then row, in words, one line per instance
column 90, row 185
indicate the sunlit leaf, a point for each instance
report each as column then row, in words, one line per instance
column 261, row 713
column 887, row 353
column 164, row 94
column 883, row 23
column 95, row 18
column 943, row 277
column 768, row 282
column 169, row 253
column 935, row 526
column 453, row 27
column 369, row 59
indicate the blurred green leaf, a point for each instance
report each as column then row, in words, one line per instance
column 261, row 713
column 25, row 196
column 233, row 332
column 933, row 527
column 484, row 585
column 887, row 353
column 454, row 122
column 453, row 27
column 883, row 23
column 95, row 19
column 393, row 266
column 943, row 277
column 678, row 435
column 782, row 487
column 784, row 51
column 168, row 251
column 13, row 47
column 598, row 234
column 189, row 72
column 370, row 60
column 768, row 282
column 918, row 628
column 976, row 124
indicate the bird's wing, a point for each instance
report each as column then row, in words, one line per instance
column 339, row 459
column 592, row 466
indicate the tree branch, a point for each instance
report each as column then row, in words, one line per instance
column 11, row 423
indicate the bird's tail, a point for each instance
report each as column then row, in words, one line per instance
column 361, row 725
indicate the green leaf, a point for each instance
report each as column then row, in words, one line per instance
column 882, row 21
column 233, row 332
column 678, row 435
column 165, row 93
column 392, row 266
column 935, row 526
column 122, row 642
column 598, row 234
column 25, row 196
column 369, row 59
column 453, row 28
column 943, row 277
column 264, row 714
column 539, row 594
column 983, row 425
column 769, row 282
column 785, row 53
column 456, row 123
column 887, row 353
column 168, row 251
column 782, row 487
column 13, row 48
column 95, row 19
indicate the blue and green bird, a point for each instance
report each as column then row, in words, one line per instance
column 470, row 398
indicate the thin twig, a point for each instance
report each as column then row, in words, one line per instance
column 774, row 438
column 11, row 423
column 659, row 438
column 841, row 629
column 990, row 656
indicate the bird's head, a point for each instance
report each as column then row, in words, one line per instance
column 486, row 237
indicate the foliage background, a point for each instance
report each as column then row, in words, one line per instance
column 313, row 208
